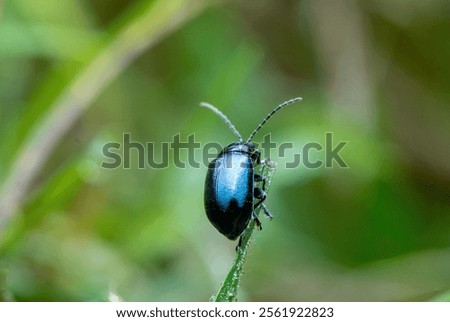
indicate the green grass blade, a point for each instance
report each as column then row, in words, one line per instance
column 229, row 290
column 139, row 32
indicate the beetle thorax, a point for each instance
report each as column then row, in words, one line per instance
column 240, row 147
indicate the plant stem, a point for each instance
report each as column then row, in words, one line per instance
column 229, row 289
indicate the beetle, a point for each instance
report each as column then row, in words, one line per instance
column 231, row 195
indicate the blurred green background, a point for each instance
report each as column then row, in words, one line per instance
column 77, row 74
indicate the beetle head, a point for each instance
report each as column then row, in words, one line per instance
column 240, row 147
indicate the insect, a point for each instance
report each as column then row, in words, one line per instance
column 231, row 195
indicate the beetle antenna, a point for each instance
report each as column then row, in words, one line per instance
column 276, row 109
column 223, row 117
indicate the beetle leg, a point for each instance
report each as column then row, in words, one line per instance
column 265, row 161
column 260, row 194
column 260, row 178
column 266, row 211
column 239, row 243
column 256, row 157
column 257, row 222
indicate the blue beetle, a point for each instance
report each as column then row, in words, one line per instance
column 230, row 189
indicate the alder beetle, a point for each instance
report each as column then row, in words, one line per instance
column 231, row 196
